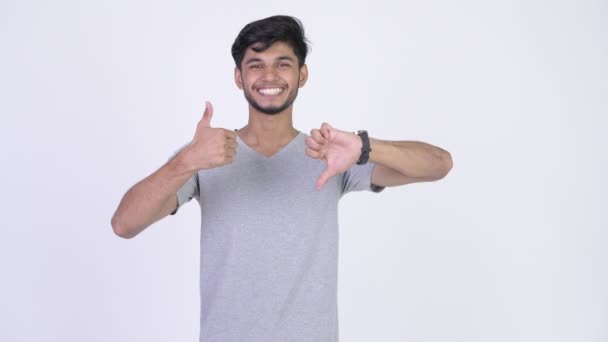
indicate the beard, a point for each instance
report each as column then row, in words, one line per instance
column 271, row 110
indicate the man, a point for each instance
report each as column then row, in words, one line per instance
column 269, row 197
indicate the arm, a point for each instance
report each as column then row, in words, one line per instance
column 404, row 162
column 151, row 199
column 397, row 162
column 155, row 196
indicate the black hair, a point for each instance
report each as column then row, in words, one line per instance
column 265, row 32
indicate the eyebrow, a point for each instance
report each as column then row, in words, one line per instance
column 281, row 58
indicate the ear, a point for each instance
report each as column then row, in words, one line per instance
column 238, row 78
column 303, row 75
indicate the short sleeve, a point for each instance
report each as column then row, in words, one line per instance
column 189, row 190
column 358, row 178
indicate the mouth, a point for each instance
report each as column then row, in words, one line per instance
column 270, row 91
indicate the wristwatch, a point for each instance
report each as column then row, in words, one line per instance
column 365, row 149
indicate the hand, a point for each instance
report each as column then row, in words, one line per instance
column 340, row 150
column 211, row 147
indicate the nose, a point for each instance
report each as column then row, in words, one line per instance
column 270, row 74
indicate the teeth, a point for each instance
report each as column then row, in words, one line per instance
column 270, row 91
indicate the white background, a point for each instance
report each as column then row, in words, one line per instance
column 511, row 246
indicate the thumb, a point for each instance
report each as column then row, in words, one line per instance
column 324, row 177
column 207, row 115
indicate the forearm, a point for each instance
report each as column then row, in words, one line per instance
column 411, row 158
column 152, row 198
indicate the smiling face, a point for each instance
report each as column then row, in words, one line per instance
column 270, row 79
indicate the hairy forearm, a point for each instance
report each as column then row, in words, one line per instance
column 152, row 198
column 412, row 158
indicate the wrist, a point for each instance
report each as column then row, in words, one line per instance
column 183, row 163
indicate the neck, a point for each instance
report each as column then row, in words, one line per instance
column 268, row 133
column 267, row 129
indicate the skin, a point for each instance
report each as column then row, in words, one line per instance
column 268, row 130
column 397, row 162
column 276, row 67
column 154, row 197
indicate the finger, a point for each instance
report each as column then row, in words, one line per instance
column 312, row 144
column 231, row 144
column 225, row 160
column 231, row 135
column 313, row 154
column 207, row 115
column 231, row 153
column 317, row 136
column 323, row 178
column 326, row 130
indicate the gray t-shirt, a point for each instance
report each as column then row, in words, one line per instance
column 269, row 245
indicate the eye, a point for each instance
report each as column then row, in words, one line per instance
column 283, row 65
column 255, row 67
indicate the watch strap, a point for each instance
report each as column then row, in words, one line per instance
column 365, row 148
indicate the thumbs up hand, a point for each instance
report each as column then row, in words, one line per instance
column 338, row 149
column 211, row 147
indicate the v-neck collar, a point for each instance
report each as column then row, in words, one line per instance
column 290, row 145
